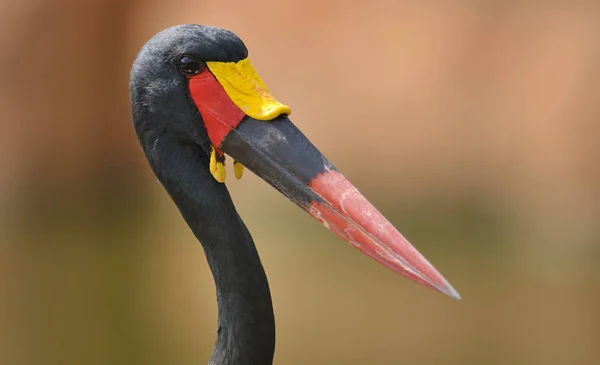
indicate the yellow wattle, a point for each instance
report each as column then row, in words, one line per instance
column 217, row 168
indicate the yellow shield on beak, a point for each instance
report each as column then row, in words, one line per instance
column 246, row 90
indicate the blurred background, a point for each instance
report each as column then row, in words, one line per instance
column 474, row 127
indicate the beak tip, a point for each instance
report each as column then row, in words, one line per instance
column 452, row 293
column 449, row 291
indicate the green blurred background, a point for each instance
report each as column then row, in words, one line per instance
column 473, row 126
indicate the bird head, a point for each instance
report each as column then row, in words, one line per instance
column 196, row 84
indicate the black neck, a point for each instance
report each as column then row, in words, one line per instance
column 246, row 333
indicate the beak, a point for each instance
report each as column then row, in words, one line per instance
column 243, row 120
column 280, row 154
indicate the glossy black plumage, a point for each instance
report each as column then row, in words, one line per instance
column 177, row 147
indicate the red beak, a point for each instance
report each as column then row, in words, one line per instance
column 280, row 154
column 347, row 213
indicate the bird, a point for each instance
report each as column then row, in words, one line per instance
column 197, row 100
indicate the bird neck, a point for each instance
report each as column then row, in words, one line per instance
column 246, row 332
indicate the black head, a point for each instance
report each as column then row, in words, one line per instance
column 160, row 97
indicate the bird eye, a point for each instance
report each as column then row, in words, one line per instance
column 189, row 65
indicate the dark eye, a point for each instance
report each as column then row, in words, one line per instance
column 189, row 65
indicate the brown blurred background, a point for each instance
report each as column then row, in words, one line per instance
column 474, row 127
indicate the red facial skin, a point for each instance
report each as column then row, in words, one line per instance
column 219, row 113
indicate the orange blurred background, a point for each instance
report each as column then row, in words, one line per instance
column 472, row 126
